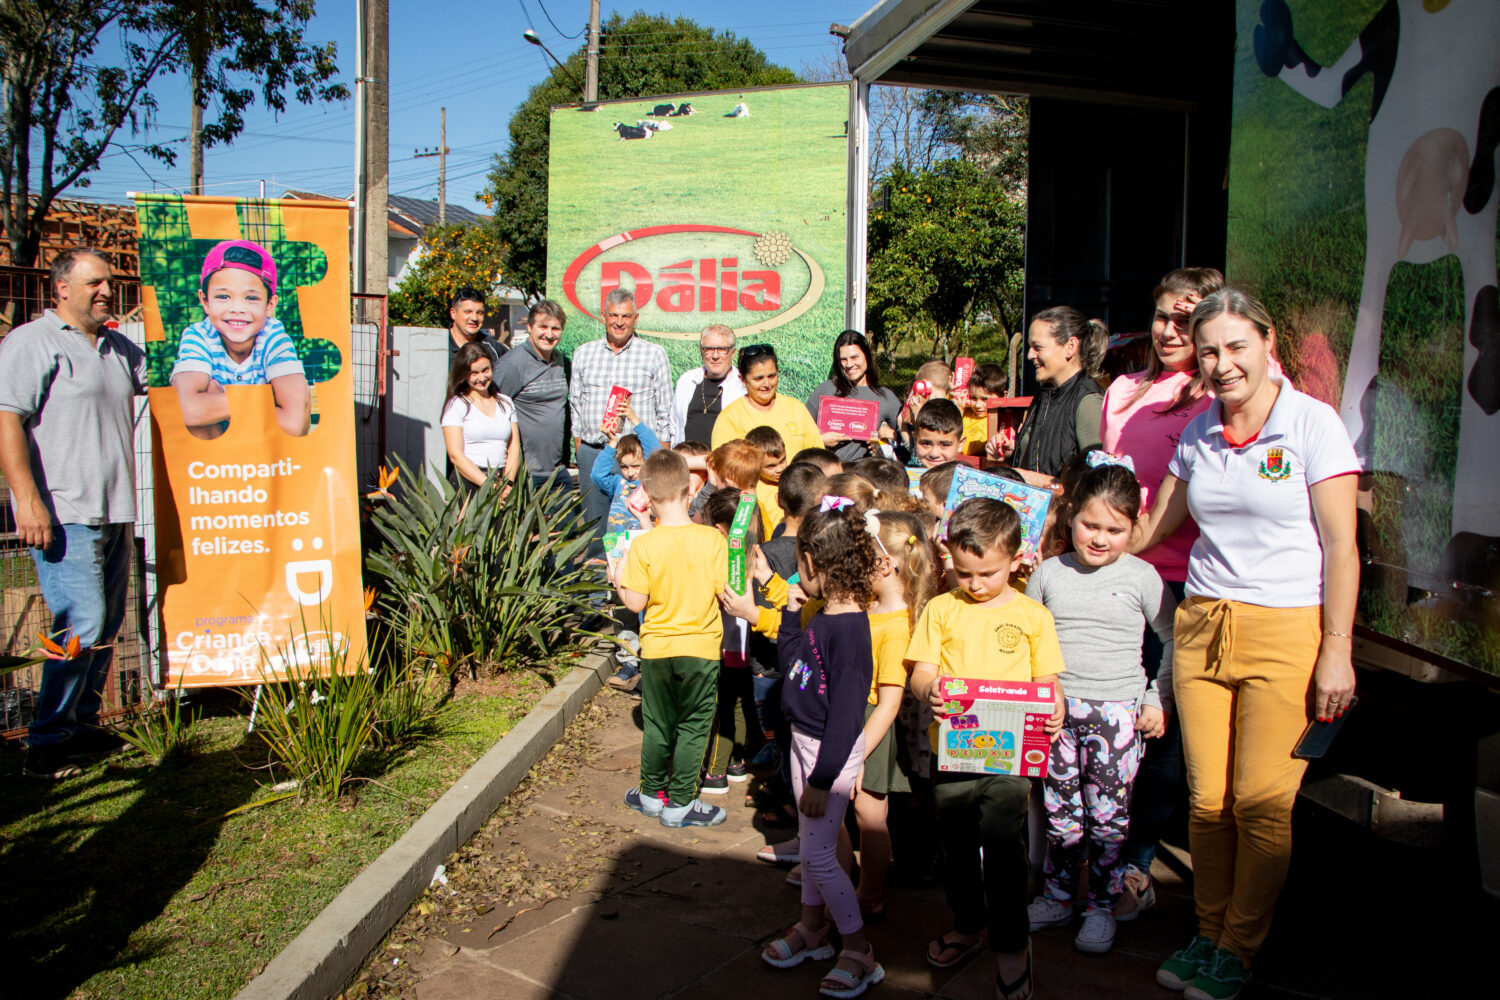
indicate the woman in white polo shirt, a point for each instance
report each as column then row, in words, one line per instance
column 1263, row 640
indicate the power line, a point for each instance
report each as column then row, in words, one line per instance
column 555, row 28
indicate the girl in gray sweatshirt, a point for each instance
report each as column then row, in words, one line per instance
column 1101, row 598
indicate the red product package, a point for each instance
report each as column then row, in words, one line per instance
column 639, row 501
column 614, row 408
column 855, row 419
column 963, row 369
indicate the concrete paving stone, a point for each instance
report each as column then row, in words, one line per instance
column 473, row 933
column 1060, row 970
column 720, row 893
column 587, row 954
column 463, row 977
column 750, row 978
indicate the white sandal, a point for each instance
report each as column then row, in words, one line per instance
column 815, row 947
column 852, row 984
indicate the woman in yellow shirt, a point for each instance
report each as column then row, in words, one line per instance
column 762, row 405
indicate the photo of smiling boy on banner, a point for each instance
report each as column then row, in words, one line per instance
column 252, row 411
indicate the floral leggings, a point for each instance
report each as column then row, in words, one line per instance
column 1092, row 768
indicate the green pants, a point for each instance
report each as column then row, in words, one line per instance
column 985, row 812
column 678, row 697
column 736, row 718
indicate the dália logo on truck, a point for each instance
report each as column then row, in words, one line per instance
column 688, row 276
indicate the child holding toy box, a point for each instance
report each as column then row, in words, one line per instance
column 984, row 629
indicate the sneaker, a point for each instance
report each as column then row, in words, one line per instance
column 1138, row 897
column 1222, row 978
column 646, row 805
column 1183, row 966
column 87, row 740
column 48, row 763
column 1097, row 934
column 738, row 771
column 1044, row 912
column 695, row 813
column 714, row 784
column 627, row 678
column 765, row 758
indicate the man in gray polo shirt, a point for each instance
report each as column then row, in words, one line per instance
column 67, row 388
column 533, row 376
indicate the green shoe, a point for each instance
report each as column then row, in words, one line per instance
column 1221, row 979
column 1183, row 966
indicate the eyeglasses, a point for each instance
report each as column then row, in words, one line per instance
column 756, row 350
column 714, row 350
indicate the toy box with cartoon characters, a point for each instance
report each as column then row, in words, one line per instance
column 994, row 727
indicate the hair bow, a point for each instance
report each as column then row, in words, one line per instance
column 1098, row 458
column 831, row 502
column 872, row 528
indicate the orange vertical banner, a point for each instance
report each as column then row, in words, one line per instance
column 252, row 414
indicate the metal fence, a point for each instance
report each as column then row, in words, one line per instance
column 26, row 291
column 23, row 613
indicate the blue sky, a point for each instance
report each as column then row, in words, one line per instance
column 471, row 58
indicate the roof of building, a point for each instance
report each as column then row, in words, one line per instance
column 408, row 216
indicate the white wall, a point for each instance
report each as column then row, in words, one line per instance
column 419, row 375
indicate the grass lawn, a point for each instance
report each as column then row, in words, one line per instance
column 130, row 881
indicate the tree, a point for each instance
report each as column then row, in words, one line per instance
column 948, row 246
column 61, row 106
column 452, row 257
column 639, row 56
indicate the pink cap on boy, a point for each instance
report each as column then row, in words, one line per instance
column 245, row 256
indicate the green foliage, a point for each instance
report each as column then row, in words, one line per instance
column 639, row 56
column 452, row 257
column 475, row 582
column 948, row 246
column 64, row 102
column 163, row 729
column 318, row 726
column 407, row 699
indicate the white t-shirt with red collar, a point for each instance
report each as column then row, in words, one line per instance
column 1259, row 541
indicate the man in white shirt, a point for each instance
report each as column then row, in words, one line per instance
column 704, row 391
column 619, row 358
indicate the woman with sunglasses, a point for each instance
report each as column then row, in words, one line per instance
column 855, row 375
column 763, row 406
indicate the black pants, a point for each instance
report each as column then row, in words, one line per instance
column 985, row 811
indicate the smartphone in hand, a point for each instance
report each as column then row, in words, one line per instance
column 1319, row 734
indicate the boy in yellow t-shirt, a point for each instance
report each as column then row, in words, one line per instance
column 672, row 577
column 985, row 629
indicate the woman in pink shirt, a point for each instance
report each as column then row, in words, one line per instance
column 1144, row 415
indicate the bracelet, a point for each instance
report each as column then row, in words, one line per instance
column 1337, row 635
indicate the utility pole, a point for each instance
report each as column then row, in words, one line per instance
column 441, row 153
column 591, row 65
column 361, row 209
column 376, row 146
column 195, row 146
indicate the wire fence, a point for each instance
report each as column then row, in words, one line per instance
column 24, row 617
column 25, row 292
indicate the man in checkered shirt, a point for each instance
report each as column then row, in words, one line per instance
column 621, row 359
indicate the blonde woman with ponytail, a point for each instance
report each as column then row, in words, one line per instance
column 1067, row 350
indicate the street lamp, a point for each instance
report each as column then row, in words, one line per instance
column 535, row 39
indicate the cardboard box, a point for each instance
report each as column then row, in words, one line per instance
column 614, row 408
column 995, row 727
column 739, row 543
column 855, row 419
column 1030, row 502
column 617, row 543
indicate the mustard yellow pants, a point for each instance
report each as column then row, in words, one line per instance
column 1241, row 673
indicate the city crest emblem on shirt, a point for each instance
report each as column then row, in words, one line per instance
column 1274, row 466
column 1008, row 637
